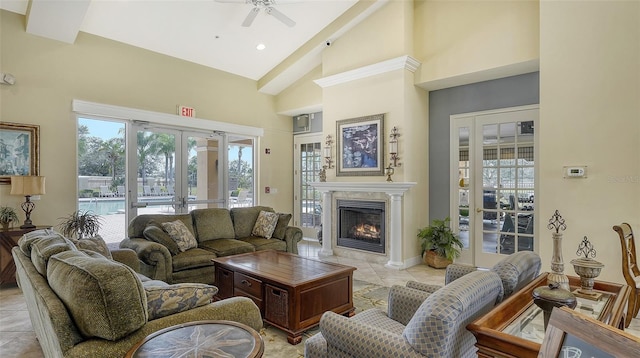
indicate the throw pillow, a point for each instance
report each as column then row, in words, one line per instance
column 265, row 224
column 180, row 234
column 281, row 227
column 95, row 243
column 156, row 234
column 170, row 299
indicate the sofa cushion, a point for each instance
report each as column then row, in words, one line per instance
column 164, row 300
column 260, row 243
column 181, row 235
column 95, row 243
column 213, row 224
column 105, row 298
column 265, row 224
column 245, row 218
column 139, row 223
column 191, row 259
column 226, row 247
column 281, row 228
column 156, row 234
column 27, row 239
column 44, row 247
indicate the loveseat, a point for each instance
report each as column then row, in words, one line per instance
column 218, row 232
column 85, row 304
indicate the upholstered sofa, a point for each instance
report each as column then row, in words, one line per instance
column 85, row 304
column 218, row 232
column 436, row 328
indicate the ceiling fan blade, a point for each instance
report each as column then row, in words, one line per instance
column 250, row 17
column 280, row 16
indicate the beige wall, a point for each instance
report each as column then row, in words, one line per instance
column 455, row 38
column 590, row 115
column 304, row 96
column 50, row 74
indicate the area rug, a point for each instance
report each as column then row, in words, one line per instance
column 365, row 295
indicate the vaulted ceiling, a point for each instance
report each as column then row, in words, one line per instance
column 208, row 32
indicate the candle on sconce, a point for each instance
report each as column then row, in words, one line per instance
column 327, row 152
column 393, row 147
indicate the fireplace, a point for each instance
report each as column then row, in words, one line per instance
column 361, row 225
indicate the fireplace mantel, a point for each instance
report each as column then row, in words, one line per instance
column 394, row 190
column 391, row 188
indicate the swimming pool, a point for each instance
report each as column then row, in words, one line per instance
column 110, row 206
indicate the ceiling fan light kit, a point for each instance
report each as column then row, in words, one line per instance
column 267, row 6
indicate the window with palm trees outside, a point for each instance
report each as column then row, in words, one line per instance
column 176, row 171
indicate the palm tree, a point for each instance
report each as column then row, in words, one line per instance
column 113, row 150
column 165, row 144
column 146, row 150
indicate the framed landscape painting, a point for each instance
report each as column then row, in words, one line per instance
column 19, row 150
column 360, row 146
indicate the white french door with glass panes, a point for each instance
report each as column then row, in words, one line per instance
column 493, row 174
column 307, row 200
column 177, row 170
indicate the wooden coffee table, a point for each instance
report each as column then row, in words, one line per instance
column 201, row 339
column 291, row 291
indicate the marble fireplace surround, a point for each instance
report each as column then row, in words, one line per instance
column 391, row 193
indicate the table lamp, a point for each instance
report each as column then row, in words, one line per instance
column 27, row 186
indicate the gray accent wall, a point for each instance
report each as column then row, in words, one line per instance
column 501, row 93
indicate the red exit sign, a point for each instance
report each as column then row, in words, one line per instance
column 186, row 111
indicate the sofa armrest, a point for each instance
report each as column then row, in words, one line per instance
column 423, row 286
column 292, row 236
column 355, row 339
column 127, row 257
column 455, row 271
column 155, row 260
column 404, row 302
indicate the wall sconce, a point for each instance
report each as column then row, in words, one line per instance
column 393, row 147
column 389, row 171
column 327, row 151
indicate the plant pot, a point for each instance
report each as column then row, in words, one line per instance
column 432, row 259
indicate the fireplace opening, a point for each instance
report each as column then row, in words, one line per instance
column 361, row 225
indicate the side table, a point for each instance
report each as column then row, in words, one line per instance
column 201, row 339
column 8, row 239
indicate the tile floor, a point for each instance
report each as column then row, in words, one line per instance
column 17, row 338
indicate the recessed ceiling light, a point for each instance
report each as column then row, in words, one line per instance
column 261, row 47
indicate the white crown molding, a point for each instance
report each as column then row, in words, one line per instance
column 402, row 62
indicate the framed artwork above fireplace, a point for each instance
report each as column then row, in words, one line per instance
column 360, row 146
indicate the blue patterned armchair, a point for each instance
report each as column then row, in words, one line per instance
column 436, row 329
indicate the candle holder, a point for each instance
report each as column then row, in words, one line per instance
column 327, row 152
column 557, row 265
column 393, row 147
column 588, row 269
column 389, row 172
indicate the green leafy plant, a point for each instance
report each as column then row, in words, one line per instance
column 80, row 224
column 440, row 238
column 7, row 215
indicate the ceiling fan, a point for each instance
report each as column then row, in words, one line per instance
column 258, row 5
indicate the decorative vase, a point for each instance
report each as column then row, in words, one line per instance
column 5, row 226
column 434, row 260
column 588, row 269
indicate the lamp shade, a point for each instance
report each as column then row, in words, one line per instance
column 27, row 185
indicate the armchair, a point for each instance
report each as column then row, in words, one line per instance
column 437, row 328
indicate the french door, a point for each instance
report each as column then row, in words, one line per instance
column 308, row 163
column 493, row 174
column 177, row 170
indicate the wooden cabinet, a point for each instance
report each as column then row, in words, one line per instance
column 515, row 328
column 8, row 240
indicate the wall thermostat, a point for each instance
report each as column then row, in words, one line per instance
column 575, row 172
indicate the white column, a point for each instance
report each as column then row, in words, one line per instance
column 395, row 233
column 327, row 225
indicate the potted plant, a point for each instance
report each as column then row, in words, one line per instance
column 80, row 224
column 7, row 216
column 440, row 245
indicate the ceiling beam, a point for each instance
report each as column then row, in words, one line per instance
column 56, row 19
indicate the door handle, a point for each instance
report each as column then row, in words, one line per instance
column 479, row 210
